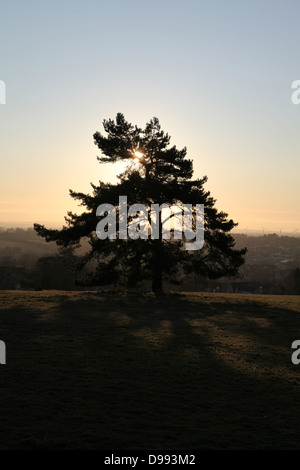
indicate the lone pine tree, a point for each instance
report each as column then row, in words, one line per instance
column 157, row 173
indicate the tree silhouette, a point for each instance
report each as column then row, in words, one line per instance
column 156, row 174
column 296, row 276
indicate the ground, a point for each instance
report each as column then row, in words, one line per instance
column 88, row 370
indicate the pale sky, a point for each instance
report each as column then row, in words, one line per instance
column 217, row 74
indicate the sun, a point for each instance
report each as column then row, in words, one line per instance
column 138, row 156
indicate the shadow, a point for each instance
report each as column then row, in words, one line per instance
column 89, row 370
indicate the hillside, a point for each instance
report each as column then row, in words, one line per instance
column 90, row 370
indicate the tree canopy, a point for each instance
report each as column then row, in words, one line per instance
column 157, row 173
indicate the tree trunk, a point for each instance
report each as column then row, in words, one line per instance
column 157, row 282
column 157, row 286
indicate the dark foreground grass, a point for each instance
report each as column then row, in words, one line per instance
column 188, row 371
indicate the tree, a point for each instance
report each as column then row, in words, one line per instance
column 156, row 174
column 54, row 272
column 296, row 279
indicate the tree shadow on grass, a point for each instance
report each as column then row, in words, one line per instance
column 100, row 371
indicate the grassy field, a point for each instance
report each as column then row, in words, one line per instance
column 89, row 370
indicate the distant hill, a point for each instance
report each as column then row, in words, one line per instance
column 271, row 263
column 19, row 246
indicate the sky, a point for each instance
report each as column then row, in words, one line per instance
column 218, row 75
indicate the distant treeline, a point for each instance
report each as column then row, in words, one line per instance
column 28, row 262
